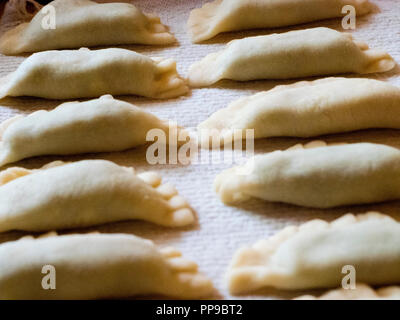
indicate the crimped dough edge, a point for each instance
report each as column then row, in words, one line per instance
column 180, row 215
column 190, row 282
column 241, row 274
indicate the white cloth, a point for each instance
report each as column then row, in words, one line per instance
column 221, row 229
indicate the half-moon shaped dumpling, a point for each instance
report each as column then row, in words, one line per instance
column 99, row 125
column 306, row 109
column 95, row 266
column 313, row 255
column 361, row 292
column 84, row 23
column 86, row 193
column 294, row 54
column 84, row 73
column 232, row 15
column 317, row 176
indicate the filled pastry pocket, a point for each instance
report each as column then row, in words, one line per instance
column 361, row 292
column 84, row 73
column 85, row 23
column 86, row 193
column 98, row 266
column 306, row 109
column 312, row 255
column 100, row 125
column 294, row 54
column 232, row 15
column 316, row 175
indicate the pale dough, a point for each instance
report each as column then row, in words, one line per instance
column 294, row 54
column 100, row 125
column 312, row 255
column 316, row 176
column 84, row 23
column 361, row 292
column 307, row 109
column 84, row 73
column 96, row 266
column 86, row 193
column 232, row 15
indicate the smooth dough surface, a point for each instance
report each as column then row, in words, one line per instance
column 294, row 54
column 316, row 176
column 95, row 266
column 84, row 23
column 312, row 255
column 232, row 15
column 84, row 73
column 307, row 109
column 362, row 292
column 99, row 125
column 86, row 193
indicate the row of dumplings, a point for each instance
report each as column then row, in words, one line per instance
column 304, row 109
column 85, row 193
column 84, row 73
column 85, row 23
column 316, row 175
column 92, row 266
column 54, row 196
column 70, row 74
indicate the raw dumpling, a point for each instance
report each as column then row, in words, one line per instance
column 313, row 255
column 294, row 54
column 317, row 176
column 95, row 266
column 232, row 15
column 84, row 23
column 308, row 108
column 84, row 73
column 362, row 292
column 86, row 193
column 100, row 125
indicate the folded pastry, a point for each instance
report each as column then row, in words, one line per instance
column 99, row 125
column 86, row 193
column 308, row 108
column 95, row 266
column 312, row 255
column 84, row 73
column 316, row 175
column 232, row 15
column 294, row 54
column 362, row 292
column 84, row 23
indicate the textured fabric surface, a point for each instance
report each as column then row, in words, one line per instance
column 221, row 230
